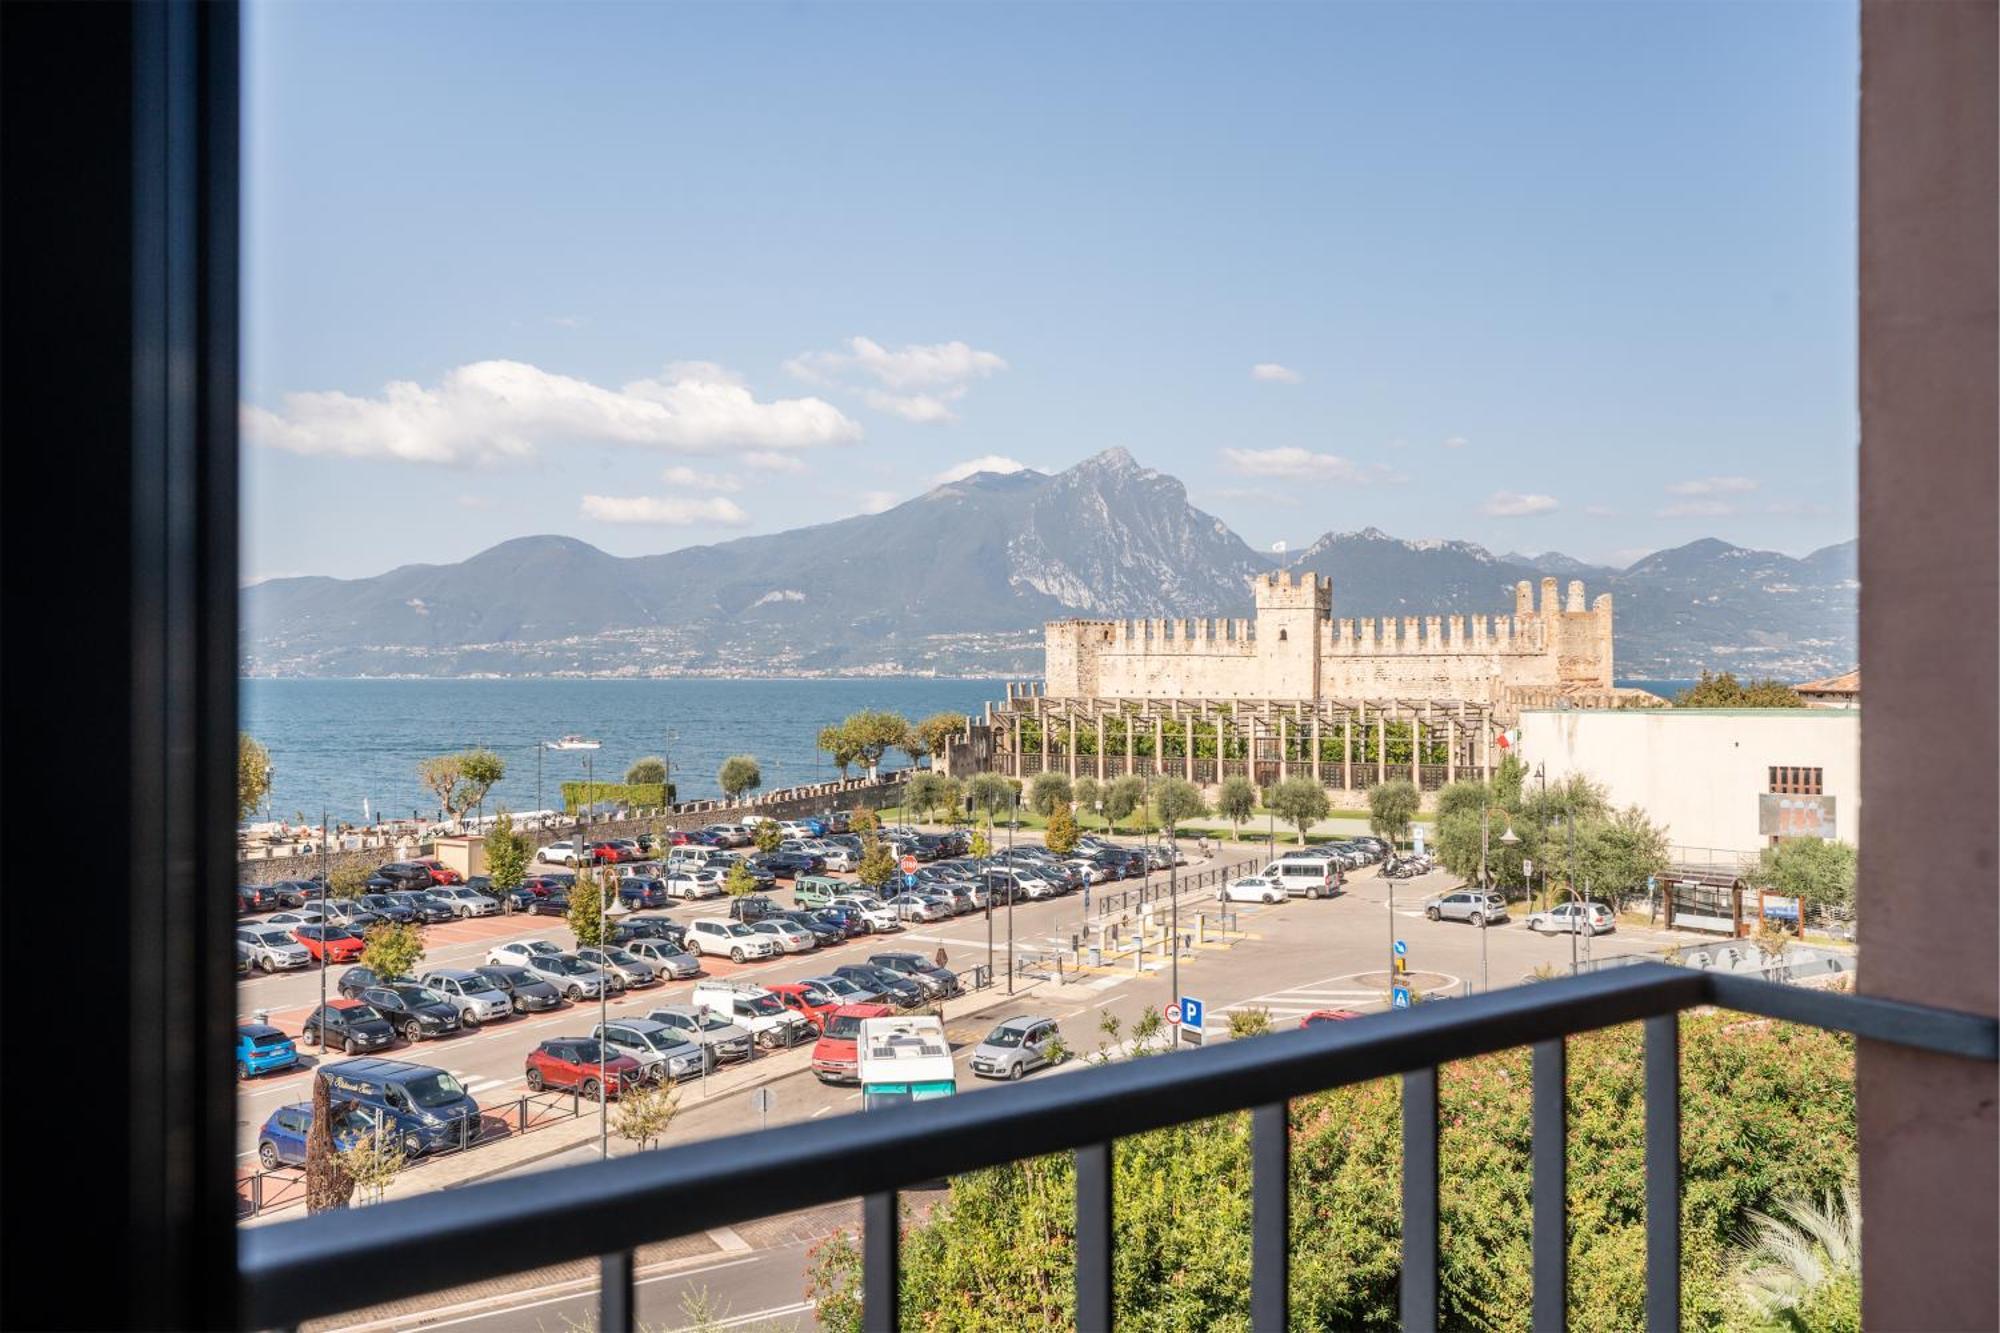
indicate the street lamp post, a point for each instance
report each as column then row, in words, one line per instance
column 1507, row 839
column 324, row 872
column 1013, row 818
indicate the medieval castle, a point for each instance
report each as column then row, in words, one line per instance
column 1294, row 650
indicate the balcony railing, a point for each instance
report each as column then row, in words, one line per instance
column 609, row 1208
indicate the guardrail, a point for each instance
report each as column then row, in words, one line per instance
column 489, row 1230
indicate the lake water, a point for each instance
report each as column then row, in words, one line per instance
column 343, row 742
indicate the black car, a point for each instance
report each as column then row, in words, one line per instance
column 893, row 988
column 528, row 992
column 389, row 908
column 352, row 1025
column 849, row 923
column 405, row 874
column 634, row 891
column 835, row 820
column 294, row 892
column 787, row 865
column 355, row 981
column 823, row 932
column 654, row 928
column 255, row 898
column 428, row 907
column 752, row 907
column 943, row 982
column 412, row 1011
column 555, row 904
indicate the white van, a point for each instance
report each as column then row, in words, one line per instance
column 1306, row 877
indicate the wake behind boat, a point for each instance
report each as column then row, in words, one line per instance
column 574, row 743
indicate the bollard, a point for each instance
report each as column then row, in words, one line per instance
column 1201, row 928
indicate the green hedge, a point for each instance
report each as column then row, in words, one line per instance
column 631, row 795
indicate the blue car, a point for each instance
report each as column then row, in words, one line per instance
column 282, row 1141
column 636, row 892
column 261, row 1048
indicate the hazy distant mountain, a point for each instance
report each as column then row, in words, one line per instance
column 961, row 578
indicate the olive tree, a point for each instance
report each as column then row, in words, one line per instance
column 253, row 775
column 1175, row 801
column 1048, row 791
column 739, row 774
column 1816, row 872
column 479, row 771
column 1391, row 807
column 1300, row 802
column 766, row 834
column 327, row 1187
column 990, row 793
column 440, row 775
column 873, row 733
column 925, row 792
column 649, row 771
column 644, row 1114
column 1089, row 795
column 876, row 865
column 739, row 881
column 1236, row 801
column 937, row 731
column 1124, row 797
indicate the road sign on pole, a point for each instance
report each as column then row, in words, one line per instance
column 1191, row 1012
column 909, row 865
column 761, row 1101
column 1402, row 949
column 1399, row 997
column 1527, row 868
column 909, row 881
column 1173, row 1013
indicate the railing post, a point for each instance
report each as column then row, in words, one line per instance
column 1093, row 1238
column 614, row 1293
column 1270, row 1216
column 1663, row 1173
column 880, row 1237
column 1420, row 1200
column 1551, row 1187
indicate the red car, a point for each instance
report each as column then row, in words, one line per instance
column 335, row 944
column 1327, row 1016
column 572, row 1062
column 440, row 872
column 835, row 1058
column 806, row 1000
column 607, row 853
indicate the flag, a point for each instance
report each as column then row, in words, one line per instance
column 1509, row 739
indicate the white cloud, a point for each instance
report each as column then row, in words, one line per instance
column 1713, row 486
column 874, row 502
column 918, row 382
column 475, row 502
column 1698, row 509
column 669, row 511
column 1456, row 442
column 493, row 411
column 973, row 466
column 689, row 479
column 1270, row 372
column 1513, row 504
column 764, row 460
column 1297, row 464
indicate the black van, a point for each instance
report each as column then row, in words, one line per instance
column 426, row 1107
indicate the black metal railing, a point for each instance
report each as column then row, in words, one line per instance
column 608, row 1208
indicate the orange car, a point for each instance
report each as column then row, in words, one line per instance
column 440, row 872
column 335, row 944
column 1327, row 1016
column 836, row 1058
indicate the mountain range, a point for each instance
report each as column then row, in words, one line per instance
column 959, row 580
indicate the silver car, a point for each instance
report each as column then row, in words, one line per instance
column 788, row 937
column 570, row 975
column 710, row 1031
column 1015, row 1047
column 467, row 902
column 272, row 948
column 664, row 1053
column 1466, row 905
column 475, row 997
column 626, row 967
column 667, row 959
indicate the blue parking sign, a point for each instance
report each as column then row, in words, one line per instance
column 1399, row 997
column 909, row 881
column 1190, row 1012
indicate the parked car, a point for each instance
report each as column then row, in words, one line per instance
column 1254, row 889
column 730, row 835
column 555, row 903
column 789, row 936
column 252, row 898
column 1304, row 876
column 887, row 985
column 427, row 908
column 731, row 939
column 352, row 1025
column 756, row 1010
column 576, row 979
column 516, row 953
column 849, row 921
column 919, row 907
column 751, row 908
column 848, row 990
column 355, row 980
column 474, row 995
column 786, row 865
column 282, row 1140
column 294, row 892
column 1568, row 918
column 1327, row 1016
column 824, row 933
column 1016, row 1047
column 710, row 1031
column 1469, row 905
column 878, row 914
column 389, row 908
column 440, row 872
column 416, row 1013
column 640, row 892
column 654, row 928
column 336, row 944
column 665, row 1054
column 667, row 957
column 404, row 875
column 272, row 948
column 808, row 999
column 627, row 967
column 579, row 1063
column 835, row 1056
column 938, row 982
column 467, row 901
column 261, row 1048
column 563, row 853
column 428, row 1108
column 527, row 992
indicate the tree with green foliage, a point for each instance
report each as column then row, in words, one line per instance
column 990, row 793
column 593, row 892
column 392, row 948
column 739, row 881
column 440, row 776
column 645, row 1114
column 507, row 854
column 1300, row 802
column 766, row 835
column 1249, row 1023
column 924, row 793
column 1392, row 806
column 1048, row 791
column 1818, row 872
column 479, row 772
column 1125, row 797
column 981, row 843
column 951, row 798
column 1623, row 850
column 934, row 733
column 1175, row 801
column 1089, row 796
column 1724, row 691
column 876, row 865
column 1236, row 801
column 739, row 774
column 833, row 741
column 1768, row 1114
column 1062, row 833
column 872, row 733
column 650, row 770
column 348, row 879
column 863, row 819
column 253, row 775
column 372, row 1162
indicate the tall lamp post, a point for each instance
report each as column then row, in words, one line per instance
column 1013, row 818
column 1507, row 839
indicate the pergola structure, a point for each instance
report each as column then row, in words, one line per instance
column 1343, row 744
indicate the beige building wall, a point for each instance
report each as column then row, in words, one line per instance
column 1700, row 771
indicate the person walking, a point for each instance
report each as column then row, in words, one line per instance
column 939, row 960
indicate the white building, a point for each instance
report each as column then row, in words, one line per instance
column 1726, row 780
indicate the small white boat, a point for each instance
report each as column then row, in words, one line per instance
column 574, row 743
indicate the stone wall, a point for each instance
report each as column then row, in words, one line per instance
column 782, row 803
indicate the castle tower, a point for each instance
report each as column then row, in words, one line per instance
column 1291, row 616
column 1070, row 652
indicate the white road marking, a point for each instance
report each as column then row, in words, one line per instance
column 725, row 1238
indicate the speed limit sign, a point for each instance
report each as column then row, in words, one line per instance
column 909, row 865
column 1173, row 1013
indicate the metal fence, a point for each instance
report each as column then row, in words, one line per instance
column 501, row 1227
column 1156, row 886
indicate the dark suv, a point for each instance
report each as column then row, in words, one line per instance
column 752, row 908
column 412, row 1010
column 352, row 1025
column 387, row 906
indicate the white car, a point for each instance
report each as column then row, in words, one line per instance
column 467, row 902
column 878, row 914
column 1580, row 918
column 516, row 953
column 730, row 939
column 918, row 907
column 272, row 947
column 562, row 853
column 690, row 884
column 788, row 937
column 838, row 857
column 1092, row 872
column 1254, row 889
column 309, row 915
column 755, row 1010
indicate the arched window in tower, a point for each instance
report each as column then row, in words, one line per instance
column 1283, row 634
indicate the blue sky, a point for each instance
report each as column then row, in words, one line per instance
column 1572, row 277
